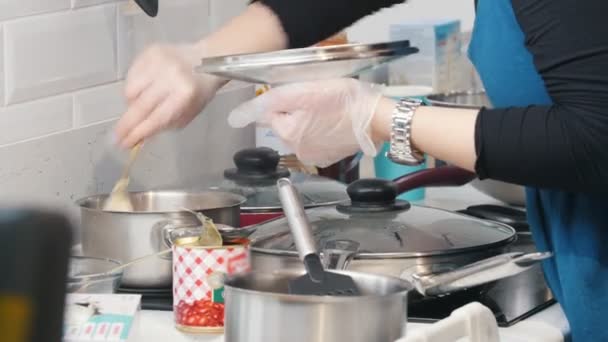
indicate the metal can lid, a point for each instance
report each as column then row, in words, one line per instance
column 188, row 240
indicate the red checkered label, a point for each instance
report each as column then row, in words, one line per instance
column 194, row 268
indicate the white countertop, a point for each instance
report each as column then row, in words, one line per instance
column 549, row 325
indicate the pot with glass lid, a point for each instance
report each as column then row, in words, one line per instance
column 399, row 239
column 255, row 175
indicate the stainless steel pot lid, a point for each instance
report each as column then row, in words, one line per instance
column 255, row 176
column 305, row 64
column 386, row 227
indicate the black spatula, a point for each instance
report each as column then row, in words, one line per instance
column 317, row 281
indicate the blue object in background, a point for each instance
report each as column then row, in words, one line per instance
column 387, row 169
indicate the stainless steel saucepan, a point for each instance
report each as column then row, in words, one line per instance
column 126, row 236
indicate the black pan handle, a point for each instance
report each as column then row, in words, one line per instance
column 510, row 216
column 435, row 177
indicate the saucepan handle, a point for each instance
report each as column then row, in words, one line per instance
column 297, row 220
column 162, row 231
column 481, row 272
column 337, row 254
column 434, row 177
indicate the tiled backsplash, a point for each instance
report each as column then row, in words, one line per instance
column 62, row 63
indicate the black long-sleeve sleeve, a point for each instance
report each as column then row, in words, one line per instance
column 565, row 145
column 307, row 22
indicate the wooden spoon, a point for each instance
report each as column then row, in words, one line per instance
column 119, row 199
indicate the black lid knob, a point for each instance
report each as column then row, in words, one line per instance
column 373, row 195
column 261, row 159
column 256, row 164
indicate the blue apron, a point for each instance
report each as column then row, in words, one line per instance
column 573, row 226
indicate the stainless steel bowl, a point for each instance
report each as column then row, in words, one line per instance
column 90, row 275
column 508, row 193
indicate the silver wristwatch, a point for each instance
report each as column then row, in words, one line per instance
column 401, row 150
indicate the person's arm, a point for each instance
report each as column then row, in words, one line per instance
column 307, row 22
column 444, row 133
column 560, row 146
column 268, row 25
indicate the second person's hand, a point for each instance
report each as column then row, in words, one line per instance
column 322, row 122
column 163, row 92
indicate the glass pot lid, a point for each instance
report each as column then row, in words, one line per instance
column 386, row 227
column 255, row 176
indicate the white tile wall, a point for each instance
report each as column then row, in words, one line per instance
column 1, row 67
column 178, row 21
column 18, row 8
column 60, row 96
column 223, row 10
column 57, row 170
column 56, row 53
column 85, row 3
column 36, row 118
column 98, row 104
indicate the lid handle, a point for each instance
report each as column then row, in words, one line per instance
column 372, row 195
column 372, row 192
column 260, row 160
column 260, row 163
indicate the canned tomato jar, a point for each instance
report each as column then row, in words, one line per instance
column 198, row 289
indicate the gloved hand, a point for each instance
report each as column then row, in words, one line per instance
column 322, row 122
column 163, row 92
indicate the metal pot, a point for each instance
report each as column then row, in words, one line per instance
column 255, row 176
column 259, row 309
column 508, row 193
column 125, row 236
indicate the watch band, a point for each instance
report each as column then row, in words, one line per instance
column 401, row 150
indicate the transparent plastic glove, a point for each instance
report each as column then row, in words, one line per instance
column 322, row 122
column 163, row 92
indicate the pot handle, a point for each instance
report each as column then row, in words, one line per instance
column 478, row 273
column 161, row 233
column 435, row 177
column 297, row 220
